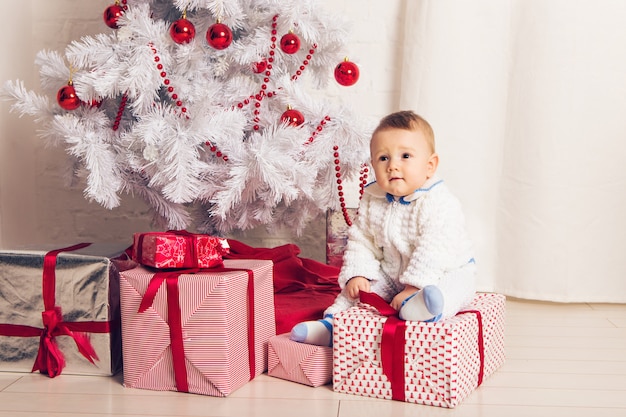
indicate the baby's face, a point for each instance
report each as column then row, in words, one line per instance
column 402, row 160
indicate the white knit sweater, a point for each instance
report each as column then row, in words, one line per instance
column 414, row 240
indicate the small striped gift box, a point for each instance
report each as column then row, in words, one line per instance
column 298, row 362
column 200, row 331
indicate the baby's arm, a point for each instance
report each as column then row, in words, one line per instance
column 355, row 285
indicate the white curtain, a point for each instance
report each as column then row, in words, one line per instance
column 528, row 102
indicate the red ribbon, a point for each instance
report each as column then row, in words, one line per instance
column 481, row 343
column 50, row 359
column 175, row 323
column 393, row 343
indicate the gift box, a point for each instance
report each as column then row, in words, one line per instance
column 299, row 362
column 203, row 331
column 337, row 235
column 59, row 310
column 379, row 355
column 178, row 249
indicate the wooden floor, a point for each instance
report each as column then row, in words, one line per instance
column 562, row 360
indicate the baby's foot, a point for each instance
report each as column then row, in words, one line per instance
column 424, row 305
column 317, row 332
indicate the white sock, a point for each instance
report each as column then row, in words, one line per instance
column 424, row 305
column 317, row 332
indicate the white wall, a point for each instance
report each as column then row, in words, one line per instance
column 37, row 205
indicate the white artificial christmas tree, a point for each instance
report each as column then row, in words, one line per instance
column 209, row 110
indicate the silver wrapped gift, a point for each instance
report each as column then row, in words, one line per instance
column 337, row 235
column 85, row 313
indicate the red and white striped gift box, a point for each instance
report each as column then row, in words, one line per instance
column 437, row 364
column 299, row 362
column 199, row 331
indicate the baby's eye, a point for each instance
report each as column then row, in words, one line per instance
column 383, row 158
column 406, row 155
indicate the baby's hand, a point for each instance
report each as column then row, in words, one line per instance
column 356, row 285
column 397, row 301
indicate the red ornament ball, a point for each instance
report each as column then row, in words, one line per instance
column 292, row 117
column 260, row 66
column 219, row 36
column 290, row 43
column 182, row 31
column 67, row 98
column 347, row 73
column 112, row 14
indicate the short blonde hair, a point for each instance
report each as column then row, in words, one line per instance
column 407, row 120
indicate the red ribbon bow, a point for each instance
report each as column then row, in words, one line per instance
column 50, row 359
column 175, row 323
column 393, row 343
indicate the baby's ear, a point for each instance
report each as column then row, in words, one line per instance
column 433, row 162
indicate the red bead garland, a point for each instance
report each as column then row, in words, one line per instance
column 305, row 62
column 363, row 180
column 120, row 112
column 217, row 152
column 318, row 129
column 166, row 81
column 264, row 67
column 177, row 100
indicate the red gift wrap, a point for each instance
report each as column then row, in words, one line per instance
column 203, row 331
column 378, row 355
column 178, row 249
column 299, row 362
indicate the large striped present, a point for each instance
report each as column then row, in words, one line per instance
column 378, row 355
column 199, row 331
column 299, row 362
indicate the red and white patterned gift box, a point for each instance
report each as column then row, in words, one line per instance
column 202, row 332
column 299, row 362
column 178, row 249
column 436, row 364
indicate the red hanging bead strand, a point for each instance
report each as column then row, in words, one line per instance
column 305, row 62
column 342, row 200
column 266, row 75
column 174, row 96
column 267, row 72
column 363, row 174
column 317, row 130
column 120, row 112
column 166, row 81
column 216, row 151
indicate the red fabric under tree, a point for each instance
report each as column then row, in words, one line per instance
column 303, row 288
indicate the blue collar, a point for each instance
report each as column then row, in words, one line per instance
column 374, row 190
column 392, row 199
